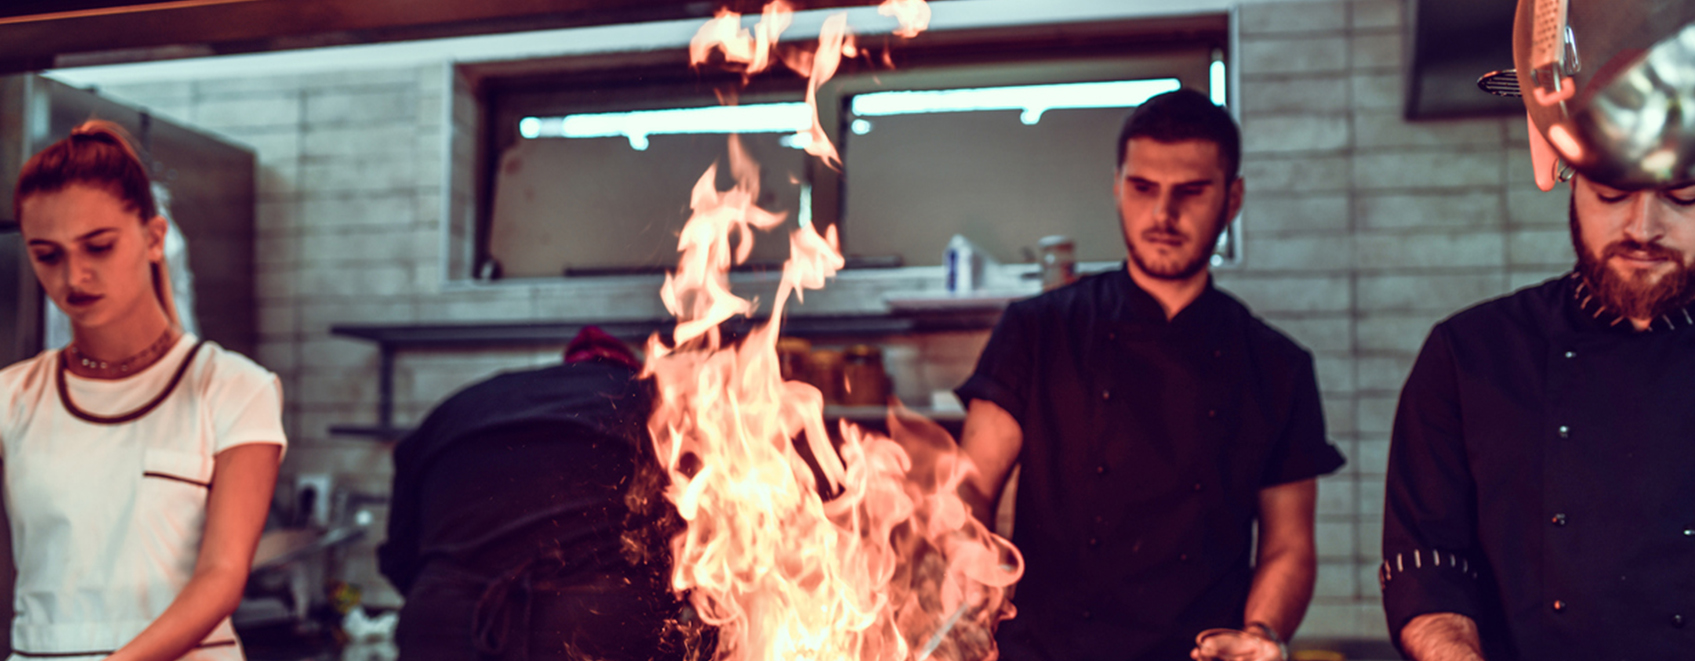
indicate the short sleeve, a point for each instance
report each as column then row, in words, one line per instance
column 1430, row 510
column 1003, row 373
column 21, row 384
column 248, row 409
column 1303, row 451
column 397, row 556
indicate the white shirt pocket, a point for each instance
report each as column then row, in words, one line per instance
column 171, row 510
column 191, row 468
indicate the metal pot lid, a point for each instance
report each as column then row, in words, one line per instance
column 1610, row 86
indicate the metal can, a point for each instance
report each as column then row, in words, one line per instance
column 1058, row 257
column 792, row 358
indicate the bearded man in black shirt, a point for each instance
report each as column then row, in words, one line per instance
column 1540, row 502
column 1155, row 420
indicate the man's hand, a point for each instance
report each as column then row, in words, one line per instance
column 1233, row 645
column 1442, row 637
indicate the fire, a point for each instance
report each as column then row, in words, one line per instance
column 872, row 555
column 832, row 41
column 799, row 545
column 914, row 15
column 753, row 49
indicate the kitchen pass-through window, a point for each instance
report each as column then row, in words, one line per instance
column 1003, row 138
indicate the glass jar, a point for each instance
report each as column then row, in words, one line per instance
column 824, row 370
column 792, row 358
column 864, row 381
column 1058, row 257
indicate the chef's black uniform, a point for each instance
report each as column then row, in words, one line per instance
column 507, row 517
column 1146, row 444
column 1542, row 480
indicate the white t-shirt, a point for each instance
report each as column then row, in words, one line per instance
column 107, row 516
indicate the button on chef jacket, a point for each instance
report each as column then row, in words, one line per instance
column 1542, row 480
column 106, row 519
column 1146, row 443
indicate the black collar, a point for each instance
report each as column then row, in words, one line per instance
column 1136, row 305
column 1592, row 308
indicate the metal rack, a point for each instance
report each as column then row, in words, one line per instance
column 392, row 339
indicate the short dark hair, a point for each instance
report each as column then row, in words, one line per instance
column 1184, row 115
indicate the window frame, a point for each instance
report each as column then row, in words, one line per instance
column 982, row 57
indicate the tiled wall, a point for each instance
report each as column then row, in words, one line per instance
column 349, row 230
column 1361, row 230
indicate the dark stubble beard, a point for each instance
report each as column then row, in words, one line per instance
column 1187, row 269
column 1634, row 297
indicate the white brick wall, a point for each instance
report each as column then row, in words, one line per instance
column 1361, row 231
column 350, row 231
column 1264, row 54
column 1414, row 211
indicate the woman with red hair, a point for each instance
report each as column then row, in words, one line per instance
column 139, row 460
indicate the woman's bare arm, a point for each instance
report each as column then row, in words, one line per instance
column 243, row 478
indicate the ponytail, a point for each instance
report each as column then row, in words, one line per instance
column 97, row 153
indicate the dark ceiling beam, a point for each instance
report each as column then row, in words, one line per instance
column 115, row 31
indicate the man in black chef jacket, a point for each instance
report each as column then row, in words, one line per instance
column 507, row 523
column 1541, row 489
column 1155, row 420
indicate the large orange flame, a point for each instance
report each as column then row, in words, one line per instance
column 872, row 555
column 799, row 545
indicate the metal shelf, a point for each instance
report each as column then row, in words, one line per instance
column 372, row 432
column 390, row 339
column 873, row 416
